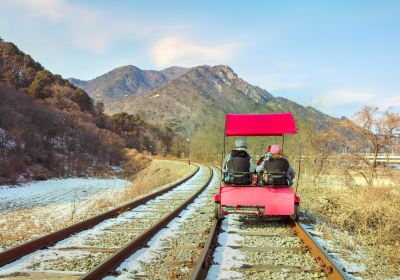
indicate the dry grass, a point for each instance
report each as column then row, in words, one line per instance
column 25, row 224
column 159, row 173
column 370, row 214
column 135, row 162
column 21, row 225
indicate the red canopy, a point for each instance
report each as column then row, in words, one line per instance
column 260, row 124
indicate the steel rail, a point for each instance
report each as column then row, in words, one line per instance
column 109, row 266
column 24, row 249
column 328, row 265
column 205, row 259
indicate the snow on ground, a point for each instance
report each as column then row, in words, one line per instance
column 55, row 191
column 351, row 261
column 148, row 253
column 225, row 257
column 78, row 240
column 32, row 210
column 37, row 208
column 38, row 260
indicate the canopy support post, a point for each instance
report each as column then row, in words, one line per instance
column 298, row 172
column 223, row 150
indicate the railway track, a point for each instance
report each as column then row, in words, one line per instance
column 249, row 247
column 174, row 252
column 73, row 251
column 173, row 236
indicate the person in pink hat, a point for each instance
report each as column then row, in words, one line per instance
column 276, row 167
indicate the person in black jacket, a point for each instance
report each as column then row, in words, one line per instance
column 238, row 165
column 277, row 168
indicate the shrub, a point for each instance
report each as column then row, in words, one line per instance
column 83, row 100
column 370, row 214
column 40, row 87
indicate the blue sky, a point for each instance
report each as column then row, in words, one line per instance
column 334, row 55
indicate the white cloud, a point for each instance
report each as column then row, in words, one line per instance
column 86, row 27
column 58, row 10
column 49, row 8
column 337, row 98
column 176, row 50
column 347, row 102
column 389, row 101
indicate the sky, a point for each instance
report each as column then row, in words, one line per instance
column 334, row 55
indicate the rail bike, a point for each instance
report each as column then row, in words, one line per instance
column 257, row 198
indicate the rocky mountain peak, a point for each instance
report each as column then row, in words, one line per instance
column 225, row 72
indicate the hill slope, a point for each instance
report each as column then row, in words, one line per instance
column 50, row 128
column 127, row 81
column 193, row 104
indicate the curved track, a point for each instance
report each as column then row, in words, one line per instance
column 172, row 235
column 101, row 238
column 175, row 250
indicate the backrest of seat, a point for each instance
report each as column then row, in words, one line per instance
column 240, row 167
column 276, row 169
column 238, row 164
column 277, row 179
column 277, row 165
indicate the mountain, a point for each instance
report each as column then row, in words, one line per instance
column 127, row 81
column 48, row 127
column 194, row 102
column 196, row 94
column 185, row 95
column 51, row 128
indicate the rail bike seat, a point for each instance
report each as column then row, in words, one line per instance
column 237, row 178
column 276, row 179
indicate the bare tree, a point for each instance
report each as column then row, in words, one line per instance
column 381, row 129
column 323, row 145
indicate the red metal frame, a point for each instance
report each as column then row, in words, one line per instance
column 261, row 200
column 260, row 124
column 265, row 200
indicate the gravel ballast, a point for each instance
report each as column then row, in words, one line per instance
column 77, row 254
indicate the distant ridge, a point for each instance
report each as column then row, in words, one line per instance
column 193, row 100
column 126, row 81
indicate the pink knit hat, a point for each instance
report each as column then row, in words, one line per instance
column 276, row 149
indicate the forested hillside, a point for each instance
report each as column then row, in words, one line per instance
column 49, row 127
column 193, row 105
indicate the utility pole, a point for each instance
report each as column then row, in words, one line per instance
column 188, row 144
